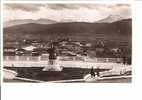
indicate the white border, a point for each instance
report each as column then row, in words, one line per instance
column 81, row 91
column 1, row 42
column 69, row 1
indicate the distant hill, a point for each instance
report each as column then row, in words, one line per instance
column 26, row 21
column 110, row 19
column 119, row 30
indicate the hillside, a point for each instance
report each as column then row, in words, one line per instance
column 119, row 30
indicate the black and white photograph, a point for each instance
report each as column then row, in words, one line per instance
column 67, row 43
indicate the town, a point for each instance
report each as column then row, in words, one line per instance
column 69, row 48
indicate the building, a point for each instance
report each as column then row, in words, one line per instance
column 9, row 51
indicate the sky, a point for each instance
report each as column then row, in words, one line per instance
column 65, row 12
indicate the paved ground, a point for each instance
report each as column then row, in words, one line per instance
column 118, row 80
column 36, row 73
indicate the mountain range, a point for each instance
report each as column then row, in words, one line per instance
column 108, row 19
column 26, row 21
column 82, row 31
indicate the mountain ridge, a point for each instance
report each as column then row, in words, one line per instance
column 75, row 30
column 111, row 18
column 26, row 21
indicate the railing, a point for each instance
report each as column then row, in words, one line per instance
column 45, row 58
column 25, row 58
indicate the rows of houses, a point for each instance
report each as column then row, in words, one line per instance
column 65, row 47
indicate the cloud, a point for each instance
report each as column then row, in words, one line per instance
column 63, row 6
column 75, row 12
column 24, row 7
column 36, row 7
column 88, row 6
